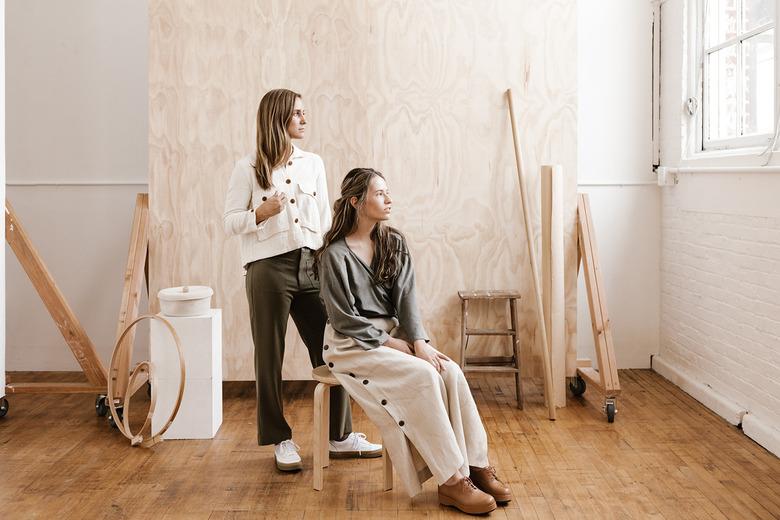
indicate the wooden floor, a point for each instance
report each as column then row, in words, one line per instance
column 666, row 456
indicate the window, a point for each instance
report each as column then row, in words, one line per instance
column 739, row 91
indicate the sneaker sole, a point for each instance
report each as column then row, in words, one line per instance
column 355, row 454
column 289, row 466
column 473, row 510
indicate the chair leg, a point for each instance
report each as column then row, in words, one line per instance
column 325, row 433
column 388, row 469
column 319, row 397
column 519, row 390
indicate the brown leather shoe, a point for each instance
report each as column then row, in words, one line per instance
column 465, row 496
column 486, row 480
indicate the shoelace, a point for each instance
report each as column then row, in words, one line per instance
column 289, row 446
column 357, row 438
column 492, row 471
column 467, row 482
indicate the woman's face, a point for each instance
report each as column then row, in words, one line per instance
column 297, row 125
column 378, row 203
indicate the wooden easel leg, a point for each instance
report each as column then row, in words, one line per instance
column 63, row 316
column 131, row 293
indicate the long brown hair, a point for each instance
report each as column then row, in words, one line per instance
column 273, row 141
column 388, row 241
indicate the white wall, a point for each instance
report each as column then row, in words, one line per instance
column 720, row 288
column 615, row 169
column 2, row 196
column 76, row 114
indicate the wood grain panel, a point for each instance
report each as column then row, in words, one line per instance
column 414, row 89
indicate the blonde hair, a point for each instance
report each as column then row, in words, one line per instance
column 273, row 141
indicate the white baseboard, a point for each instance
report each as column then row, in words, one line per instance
column 703, row 393
column 762, row 433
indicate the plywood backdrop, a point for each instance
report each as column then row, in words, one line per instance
column 414, row 89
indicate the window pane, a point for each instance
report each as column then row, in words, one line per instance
column 758, row 106
column 757, row 12
column 720, row 21
column 721, row 101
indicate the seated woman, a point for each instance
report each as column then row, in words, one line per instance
column 375, row 345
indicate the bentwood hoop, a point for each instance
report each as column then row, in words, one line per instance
column 145, row 366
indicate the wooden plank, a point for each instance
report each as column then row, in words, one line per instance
column 488, row 295
column 492, row 368
column 63, row 316
column 490, row 360
column 54, row 388
column 553, row 293
column 132, row 288
column 591, row 377
column 609, row 369
column 489, row 332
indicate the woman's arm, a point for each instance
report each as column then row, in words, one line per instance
column 239, row 216
column 340, row 304
column 404, row 295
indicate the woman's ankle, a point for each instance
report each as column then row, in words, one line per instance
column 454, row 479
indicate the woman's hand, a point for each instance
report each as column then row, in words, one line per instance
column 399, row 345
column 426, row 352
column 273, row 206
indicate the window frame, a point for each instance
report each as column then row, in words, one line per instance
column 739, row 142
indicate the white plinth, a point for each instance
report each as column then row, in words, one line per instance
column 200, row 413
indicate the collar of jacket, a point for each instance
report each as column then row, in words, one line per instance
column 297, row 153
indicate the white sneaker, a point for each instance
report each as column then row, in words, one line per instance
column 355, row 445
column 286, row 455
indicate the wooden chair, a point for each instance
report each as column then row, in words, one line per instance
column 493, row 364
column 326, row 380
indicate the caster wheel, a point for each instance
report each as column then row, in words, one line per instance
column 577, row 386
column 113, row 421
column 3, row 407
column 101, row 408
column 610, row 409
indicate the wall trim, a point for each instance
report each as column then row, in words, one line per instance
column 716, row 402
column 719, row 169
column 761, row 432
column 618, row 184
column 77, row 183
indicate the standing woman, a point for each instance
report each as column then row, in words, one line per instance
column 277, row 202
column 377, row 348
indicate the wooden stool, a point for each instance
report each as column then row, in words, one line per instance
column 492, row 363
column 325, row 380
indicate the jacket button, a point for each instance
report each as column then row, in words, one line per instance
column 265, row 198
column 292, row 201
column 401, row 423
column 365, row 381
column 384, row 402
column 288, row 181
column 296, row 221
column 351, row 374
column 315, row 193
column 330, row 365
column 289, row 163
column 325, row 347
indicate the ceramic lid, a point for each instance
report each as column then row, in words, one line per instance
column 187, row 292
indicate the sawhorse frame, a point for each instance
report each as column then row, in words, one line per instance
column 605, row 378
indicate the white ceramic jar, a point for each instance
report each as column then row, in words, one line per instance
column 192, row 300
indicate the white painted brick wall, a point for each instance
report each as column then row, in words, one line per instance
column 720, row 302
column 720, row 262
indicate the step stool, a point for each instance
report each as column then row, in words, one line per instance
column 494, row 364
